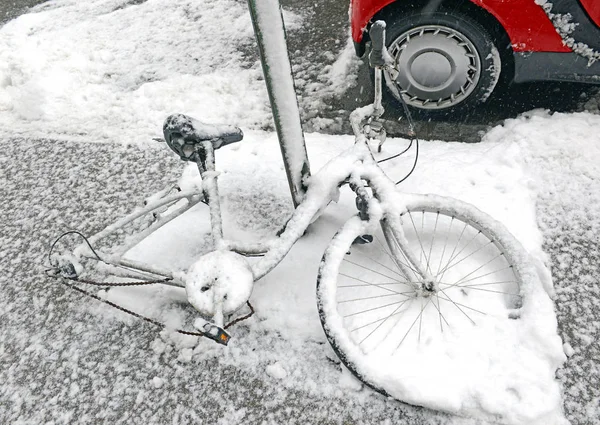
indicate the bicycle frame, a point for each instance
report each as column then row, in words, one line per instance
column 356, row 166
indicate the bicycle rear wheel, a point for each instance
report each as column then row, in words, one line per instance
column 377, row 310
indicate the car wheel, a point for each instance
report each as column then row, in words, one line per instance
column 446, row 64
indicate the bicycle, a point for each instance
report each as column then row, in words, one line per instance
column 404, row 266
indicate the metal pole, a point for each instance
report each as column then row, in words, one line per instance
column 269, row 29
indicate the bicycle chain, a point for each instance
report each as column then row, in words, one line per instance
column 64, row 280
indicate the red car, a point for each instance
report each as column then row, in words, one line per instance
column 450, row 53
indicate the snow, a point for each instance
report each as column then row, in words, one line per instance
column 521, row 355
column 569, row 351
column 495, row 68
column 276, row 371
column 108, row 70
column 219, row 278
column 563, row 158
column 111, row 70
column 565, row 26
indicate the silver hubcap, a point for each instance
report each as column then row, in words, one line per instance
column 437, row 67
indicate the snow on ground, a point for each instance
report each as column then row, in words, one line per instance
column 65, row 356
column 490, row 175
column 564, row 157
column 114, row 68
column 110, row 70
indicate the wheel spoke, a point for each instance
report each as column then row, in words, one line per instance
column 369, row 283
column 432, row 240
column 413, row 323
column 448, row 266
column 422, row 232
column 382, row 265
column 372, row 309
column 470, row 255
column 369, row 269
column 445, row 245
column 501, row 254
column 378, row 284
column 408, row 263
column 381, row 324
column 479, row 277
column 487, row 290
column 376, row 296
column 439, row 309
column 457, row 304
column 453, row 251
column 395, row 312
column 499, row 282
column 417, row 233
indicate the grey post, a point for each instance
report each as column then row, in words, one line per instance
column 270, row 36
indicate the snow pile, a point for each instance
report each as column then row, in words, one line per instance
column 115, row 69
column 112, row 70
column 562, row 152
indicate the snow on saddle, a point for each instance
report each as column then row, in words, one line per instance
column 186, row 135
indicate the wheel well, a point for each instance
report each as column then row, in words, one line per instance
column 465, row 7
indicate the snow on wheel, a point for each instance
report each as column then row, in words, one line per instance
column 389, row 325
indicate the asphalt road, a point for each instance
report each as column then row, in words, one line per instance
column 10, row 9
column 54, row 370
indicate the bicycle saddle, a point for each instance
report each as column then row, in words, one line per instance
column 183, row 134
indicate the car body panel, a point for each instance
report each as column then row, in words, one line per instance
column 585, row 16
column 592, row 7
column 516, row 16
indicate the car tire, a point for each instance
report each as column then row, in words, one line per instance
column 447, row 64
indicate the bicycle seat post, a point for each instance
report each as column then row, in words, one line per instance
column 205, row 162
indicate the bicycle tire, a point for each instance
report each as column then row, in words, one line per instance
column 337, row 328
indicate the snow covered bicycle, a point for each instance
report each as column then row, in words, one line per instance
column 403, row 280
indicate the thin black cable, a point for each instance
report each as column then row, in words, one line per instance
column 413, row 138
column 414, row 164
column 165, row 279
column 68, row 233
column 239, row 319
column 398, row 154
column 413, row 133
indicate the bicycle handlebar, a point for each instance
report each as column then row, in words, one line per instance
column 379, row 57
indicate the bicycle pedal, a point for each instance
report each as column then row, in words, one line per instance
column 212, row 331
column 216, row 333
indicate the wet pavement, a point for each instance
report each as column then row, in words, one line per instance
column 10, row 9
